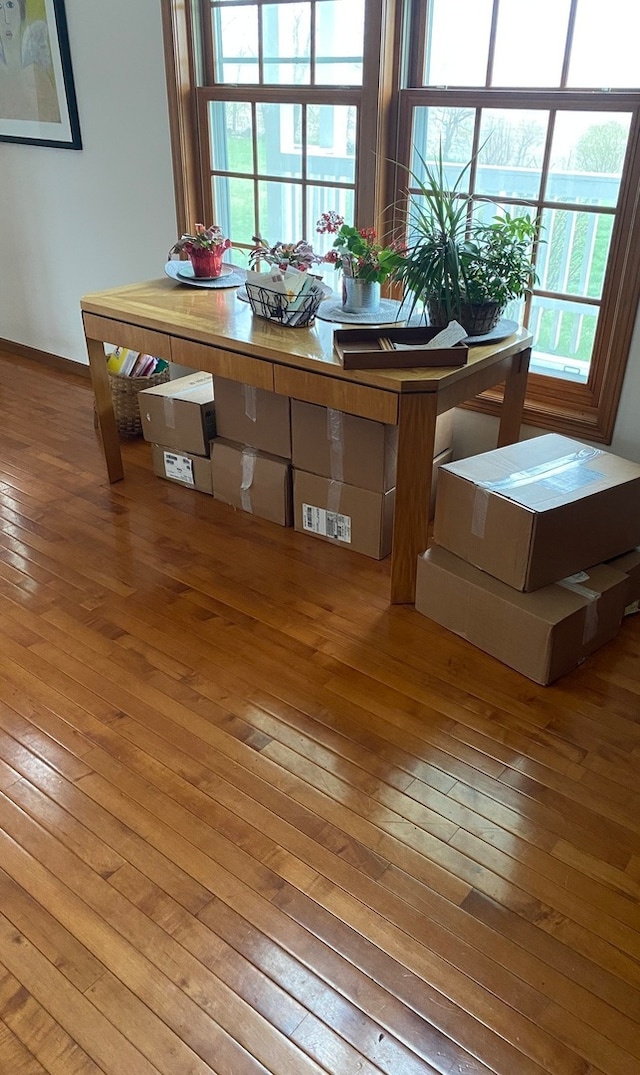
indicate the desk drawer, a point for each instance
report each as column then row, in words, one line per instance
column 121, row 334
column 230, row 364
column 358, row 399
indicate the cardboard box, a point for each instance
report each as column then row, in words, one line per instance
column 534, row 512
column 356, row 451
column 252, row 481
column 180, row 414
column 182, row 467
column 629, row 564
column 542, row 634
column 358, row 519
column 253, row 416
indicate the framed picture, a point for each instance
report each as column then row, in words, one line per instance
column 37, row 95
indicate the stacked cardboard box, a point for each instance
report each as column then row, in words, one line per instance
column 178, row 418
column 521, row 535
column 344, row 475
column 251, row 456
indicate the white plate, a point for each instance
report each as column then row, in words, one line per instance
column 182, row 273
column 503, row 329
column 187, row 273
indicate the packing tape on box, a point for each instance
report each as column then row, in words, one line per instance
column 558, row 468
column 169, row 412
column 335, row 434
column 479, row 513
column 565, row 471
column 334, row 496
column 248, row 471
column 574, row 583
column 250, row 401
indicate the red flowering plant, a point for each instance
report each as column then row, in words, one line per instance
column 201, row 239
column 283, row 256
column 358, row 252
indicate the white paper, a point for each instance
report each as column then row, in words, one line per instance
column 449, row 337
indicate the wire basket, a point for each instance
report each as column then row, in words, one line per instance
column 274, row 306
column 124, row 393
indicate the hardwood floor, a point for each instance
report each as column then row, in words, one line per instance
column 254, row 820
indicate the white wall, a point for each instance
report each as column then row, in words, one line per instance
column 79, row 221
column 76, row 222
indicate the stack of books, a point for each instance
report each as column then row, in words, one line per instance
column 123, row 362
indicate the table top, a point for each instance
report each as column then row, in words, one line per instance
column 217, row 318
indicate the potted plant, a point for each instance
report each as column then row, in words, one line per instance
column 457, row 266
column 205, row 249
column 282, row 255
column 365, row 262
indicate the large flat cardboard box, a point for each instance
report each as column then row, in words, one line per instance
column 357, row 451
column 629, row 564
column 542, row 634
column 188, row 469
column 253, row 416
column 357, row 519
column 533, row 512
column 252, row 481
column 180, row 414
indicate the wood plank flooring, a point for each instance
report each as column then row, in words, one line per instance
column 254, row 820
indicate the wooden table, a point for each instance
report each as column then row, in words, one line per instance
column 212, row 330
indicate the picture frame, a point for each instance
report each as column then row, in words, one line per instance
column 37, row 94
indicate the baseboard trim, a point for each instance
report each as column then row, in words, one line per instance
column 65, row 365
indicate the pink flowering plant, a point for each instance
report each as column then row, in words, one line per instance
column 282, row 255
column 358, row 252
column 201, row 239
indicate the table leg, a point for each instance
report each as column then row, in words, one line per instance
column 104, row 410
column 513, row 401
column 416, row 439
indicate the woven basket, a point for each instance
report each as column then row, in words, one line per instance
column 124, row 393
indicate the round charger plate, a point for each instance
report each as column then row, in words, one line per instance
column 388, row 313
column 182, row 273
column 187, row 273
column 503, row 329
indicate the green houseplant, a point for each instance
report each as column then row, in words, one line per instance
column 461, row 268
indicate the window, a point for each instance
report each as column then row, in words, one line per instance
column 285, row 108
column 284, row 98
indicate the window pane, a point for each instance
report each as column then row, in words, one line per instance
column 563, row 334
column 235, row 33
column 448, row 128
column 280, row 212
column 510, row 160
column 587, row 156
column 279, row 140
column 458, row 42
column 230, row 130
column 605, row 45
column 286, row 43
column 233, row 207
column 339, row 42
column 331, row 135
column 535, row 57
column 574, row 255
